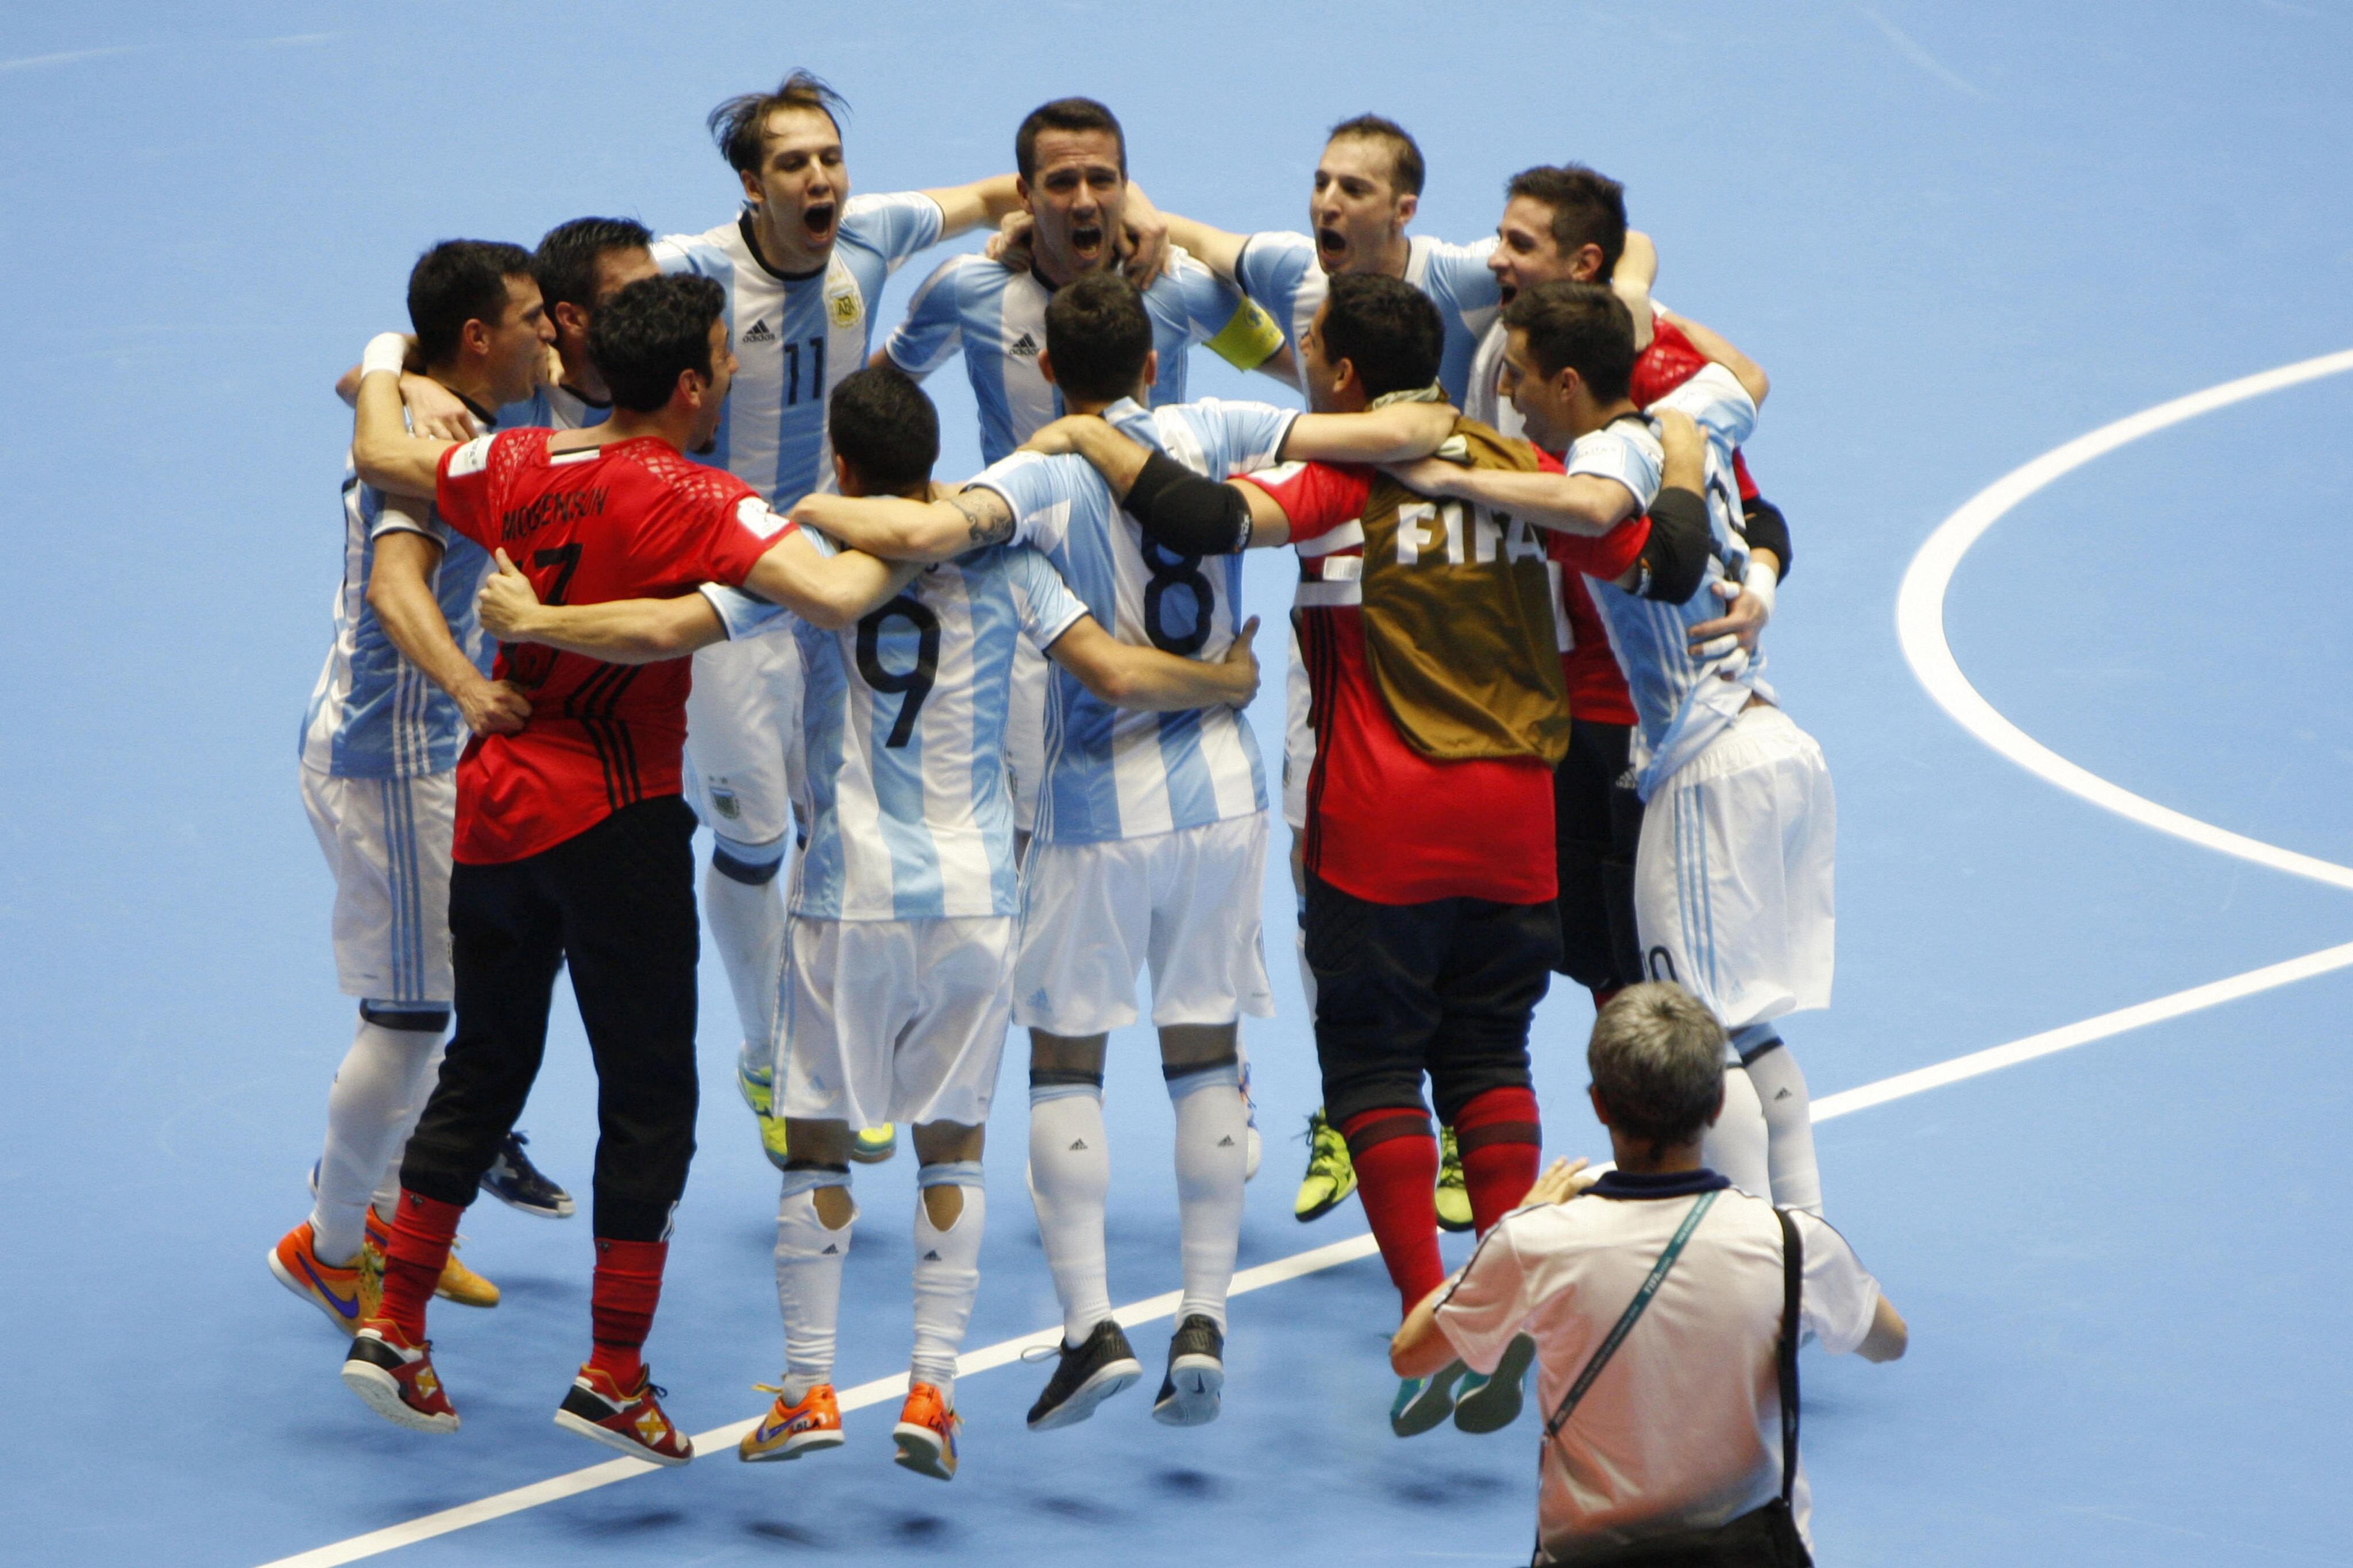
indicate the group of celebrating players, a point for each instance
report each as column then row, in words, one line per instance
column 1002, row 723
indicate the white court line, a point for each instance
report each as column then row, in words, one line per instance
column 1920, row 624
column 1920, row 618
column 713, row 1445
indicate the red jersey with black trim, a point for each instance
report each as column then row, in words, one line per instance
column 1672, row 360
column 630, row 520
column 1385, row 823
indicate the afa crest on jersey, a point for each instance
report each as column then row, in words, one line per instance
column 846, row 308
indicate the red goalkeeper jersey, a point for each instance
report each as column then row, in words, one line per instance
column 632, row 519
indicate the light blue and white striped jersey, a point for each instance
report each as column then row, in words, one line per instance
column 1280, row 271
column 901, row 747
column 1112, row 772
column 997, row 318
column 373, row 714
column 1683, row 700
column 797, row 338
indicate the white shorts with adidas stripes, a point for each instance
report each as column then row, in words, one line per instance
column 387, row 842
column 1732, row 877
column 893, row 1020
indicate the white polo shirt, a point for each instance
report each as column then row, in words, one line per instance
column 1684, row 1427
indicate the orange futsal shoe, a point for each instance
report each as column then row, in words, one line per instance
column 926, row 1434
column 346, row 1292
column 788, row 1431
column 628, row 1419
column 396, row 1377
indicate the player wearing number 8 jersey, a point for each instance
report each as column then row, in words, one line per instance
column 571, row 845
column 803, row 265
column 895, row 992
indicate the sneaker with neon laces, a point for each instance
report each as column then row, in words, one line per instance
column 515, row 1182
column 628, row 1419
column 788, row 1431
column 1453, row 1194
column 926, row 1434
column 457, row 1284
column 340, row 1291
column 1331, row 1175
column 756, row 1084
column 1192, row 1392
column 1492, row 1403
column 1424, row 1402
column 1085, row 1376
column 395, row 1377
column 873, row 1145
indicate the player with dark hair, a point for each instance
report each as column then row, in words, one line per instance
column 572, row 845
column 1429, row 634
column 401, row 685
column 1732, row 869
column 803, row 265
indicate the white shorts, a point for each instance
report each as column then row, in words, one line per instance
column 1025, row 733
column 387, row 842
column 895, row 1020
column 1187, row 902
column 742, row 713
column 1732, row 877
column 1298, row 740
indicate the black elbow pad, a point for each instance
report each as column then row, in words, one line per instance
column 1675, row 560
column 1184, row 514
column 1766, row 529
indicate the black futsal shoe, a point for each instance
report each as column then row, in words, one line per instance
column 1196, row 1385
column 1087, row 1376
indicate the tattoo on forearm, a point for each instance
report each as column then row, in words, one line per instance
column 991, row 519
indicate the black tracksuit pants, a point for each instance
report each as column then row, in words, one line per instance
column 616, row 903
column 1597, row 823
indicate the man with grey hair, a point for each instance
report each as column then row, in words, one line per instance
column 1684, row 1433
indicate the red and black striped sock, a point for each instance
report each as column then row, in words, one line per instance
column 621, row 1305
column 1502, row 1141
column 1395, row 1156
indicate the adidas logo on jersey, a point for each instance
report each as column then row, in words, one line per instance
column 759, row 333
column 1024, row 347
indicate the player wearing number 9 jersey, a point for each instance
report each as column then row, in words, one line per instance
column 803, row 265
column 571, row 845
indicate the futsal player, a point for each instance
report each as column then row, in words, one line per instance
column 897, row 985
column 804, row 264
column 1733, row 868
column 402, row 686
column 1151, row 835
column 1568, row 223
column 1430, row 638
column 573, row 848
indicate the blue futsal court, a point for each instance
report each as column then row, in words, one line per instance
column 1958, row 238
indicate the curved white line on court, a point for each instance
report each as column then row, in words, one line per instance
column 1920, row 619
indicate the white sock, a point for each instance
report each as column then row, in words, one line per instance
column 428, row 1073
column 747, row 926
column 1789, row 1123
column 947, row 1275
column 1735, row 1145
column 1070, row 1175
column 378, row 1091
column 808, row 1279
column 1210, row 1158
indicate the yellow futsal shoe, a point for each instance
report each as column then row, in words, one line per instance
column 1453, row 1195
column 1331, row 1175
column 757, row 1086
column 874, row 1144
column 457, row 1283
column 788, row 1431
